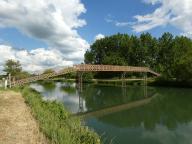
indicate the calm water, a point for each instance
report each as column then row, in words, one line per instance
column 131, row 115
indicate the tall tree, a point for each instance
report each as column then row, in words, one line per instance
column 12, row 67
column 165, row 58
column 171, row 56
column 183, row 69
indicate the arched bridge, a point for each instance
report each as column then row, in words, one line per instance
column 85, row 68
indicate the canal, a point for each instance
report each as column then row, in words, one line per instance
column 134, row 114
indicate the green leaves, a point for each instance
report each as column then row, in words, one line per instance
column 12, row 67
column 164, row 55
column 183, row 68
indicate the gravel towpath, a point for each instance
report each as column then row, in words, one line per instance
column 17, row 125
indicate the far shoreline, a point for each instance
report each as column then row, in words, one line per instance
column 133, row 81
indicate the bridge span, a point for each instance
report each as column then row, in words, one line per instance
column 84, row 68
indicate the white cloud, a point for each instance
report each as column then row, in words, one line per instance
column 153, row 2
column 163, row 135
column 53, row 21
column 122, row 24
column 109, row 19
column 99, row 36
column 176, row 13
column 34, row 60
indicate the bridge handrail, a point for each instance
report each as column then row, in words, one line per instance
column 86, row 67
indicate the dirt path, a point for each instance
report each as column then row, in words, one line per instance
column 17, row 126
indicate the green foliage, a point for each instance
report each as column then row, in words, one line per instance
column 68, row 88
column 22, row 75
column 88, row 76
column 12, row 67
column 183, row 68
column 56, row 123
column 47, row 71
column 47, row 84
column 171, row 56
column 71, row 75
column 114, row 59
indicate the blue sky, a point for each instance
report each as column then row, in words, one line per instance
column 97, row 13
column 43, row 34
column 17, row 39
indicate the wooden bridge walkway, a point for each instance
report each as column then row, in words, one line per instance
column 85, row 68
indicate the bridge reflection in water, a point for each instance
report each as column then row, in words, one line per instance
column 115, row 108
column 93, row 99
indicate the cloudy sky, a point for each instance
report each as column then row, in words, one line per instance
column 54, row 33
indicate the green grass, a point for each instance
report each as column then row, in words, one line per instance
column 55, row 121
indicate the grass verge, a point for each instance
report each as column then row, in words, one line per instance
column 55, row 122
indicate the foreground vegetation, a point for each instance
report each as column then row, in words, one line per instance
column 56, row 123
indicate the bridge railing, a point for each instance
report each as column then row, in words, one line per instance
column 43, row 76
column 84, row 68
column 88, row 67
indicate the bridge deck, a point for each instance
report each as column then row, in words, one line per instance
column 86, row 68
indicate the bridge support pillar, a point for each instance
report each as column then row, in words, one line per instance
column 80, row 81
column 80, row 90
column 145, row 85
column 123, row 79
column 124, row 91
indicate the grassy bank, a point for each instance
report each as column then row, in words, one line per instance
column 55, row 123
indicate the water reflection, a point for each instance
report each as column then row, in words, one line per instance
column 166, row 119
column 161, row 119
column 63, row 92
column 89, row 97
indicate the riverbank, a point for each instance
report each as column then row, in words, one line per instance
column 108, row 82
column 55, row 121
column 52, row 123
column 156, row 82
column 170, row 83
column 17, row 125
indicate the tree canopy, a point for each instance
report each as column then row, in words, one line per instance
column 12, row 67
column 171, row 56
